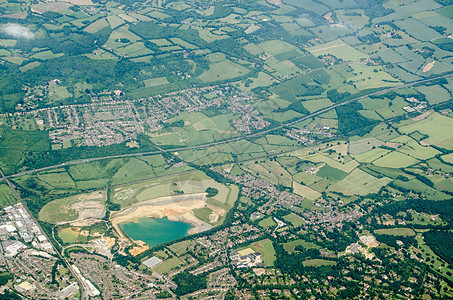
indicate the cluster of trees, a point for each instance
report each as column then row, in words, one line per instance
column 189, row 283
column 441, row 242
column 351, row 122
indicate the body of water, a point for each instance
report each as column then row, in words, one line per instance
column 155, row 231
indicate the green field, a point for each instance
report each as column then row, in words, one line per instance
column 396, row 231
column 7, row 196
column 318, row 263
column 267, row 222
column 291, row 246
column 265, row 248
column 331, row 173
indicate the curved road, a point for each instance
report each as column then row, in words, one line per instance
column 319, row 112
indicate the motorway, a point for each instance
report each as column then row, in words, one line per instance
column 230, row 140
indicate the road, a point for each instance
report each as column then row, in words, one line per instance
column 230, row 140
column 83, row 289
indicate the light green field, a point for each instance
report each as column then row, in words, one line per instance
column 133, row 50
column 371, row 155
column 436, row 126
column 275, row 47
column 265, row 248
column 115, row 21
column 58, row 179
column 97, row 25
column 359, row 183
column 168, row 265
column 223, row 70
column 155, row 81
column 414, row 149
column 121, row 33
column 395, row 160
column 181, row 247
column 367, row 78
column 68, row 209
column 363, row 145
column 339, row 49
column 294, row 219
column 315, row 105
column 45, row 55
column 271, row 171
column 291, row 246
column 318, row 263
column 267, row 222
column 396, row 231
column 68, row 235
column 346, row 167
column 305, row 191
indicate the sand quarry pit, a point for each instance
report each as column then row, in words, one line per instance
column 178, row 207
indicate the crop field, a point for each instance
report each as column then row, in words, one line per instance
column 435, row 94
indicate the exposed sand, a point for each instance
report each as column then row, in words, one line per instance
column 392, row 145
column 428, row 67
column 422, row 116
column 173, row 207
column 328, row 17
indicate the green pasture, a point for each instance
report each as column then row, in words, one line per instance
column 396, row 231
column 436, row 126
column 395, row 160
column 359, row 183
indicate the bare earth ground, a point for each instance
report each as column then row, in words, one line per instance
column 422, row 116
column 428, row 66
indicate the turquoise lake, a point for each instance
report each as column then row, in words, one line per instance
column 155, row 231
